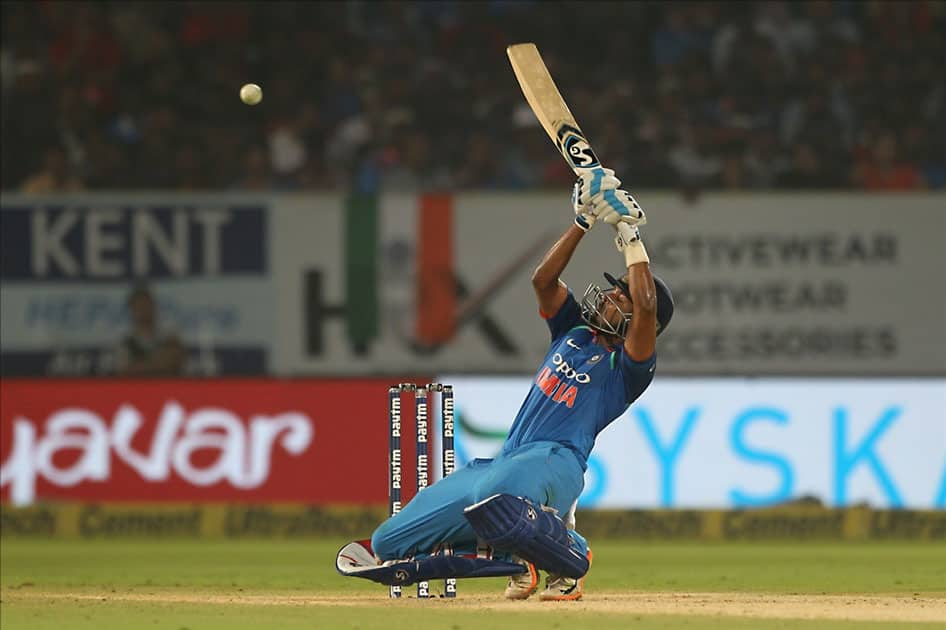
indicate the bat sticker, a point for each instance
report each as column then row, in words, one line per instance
column 575, row 148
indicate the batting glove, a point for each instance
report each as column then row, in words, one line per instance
column 584, row 215
column 595, row 181
column 628, row 241
column 618, row 206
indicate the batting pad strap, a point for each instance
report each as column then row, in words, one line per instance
column 515, row 524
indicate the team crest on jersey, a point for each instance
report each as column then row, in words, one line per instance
column 573, row 145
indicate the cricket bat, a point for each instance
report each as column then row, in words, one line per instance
column 549, row 106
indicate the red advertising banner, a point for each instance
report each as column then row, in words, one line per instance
column 240, row 440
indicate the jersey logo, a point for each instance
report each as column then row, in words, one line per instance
column 595, row 359
column 572, row 344
column 557, row 389
column 562, row 367
column 557, row 383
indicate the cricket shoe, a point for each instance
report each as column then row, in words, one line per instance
column 563, row 589
column 523, row 585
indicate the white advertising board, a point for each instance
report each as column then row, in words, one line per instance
column 733, row 443
column 765, row 284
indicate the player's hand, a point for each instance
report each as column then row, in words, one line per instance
column 584, row 215
column 591, row 185
column 627, row 234
column 619, row 207
column 593, row 182
column 628, row 242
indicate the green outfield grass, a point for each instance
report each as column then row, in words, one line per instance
column 293, row 584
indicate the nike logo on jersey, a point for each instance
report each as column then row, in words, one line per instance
column 572, row 344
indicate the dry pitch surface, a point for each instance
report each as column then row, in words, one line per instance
column 754, row 605
column 243, row 584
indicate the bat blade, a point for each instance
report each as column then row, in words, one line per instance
column 549, row 107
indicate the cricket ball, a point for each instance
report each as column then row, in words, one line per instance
column 251, row 94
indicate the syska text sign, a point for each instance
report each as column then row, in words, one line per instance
column 176, row 440
column 736, row 443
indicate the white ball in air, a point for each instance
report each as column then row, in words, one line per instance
column 251, row 94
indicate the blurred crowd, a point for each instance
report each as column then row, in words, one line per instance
column 419, row 95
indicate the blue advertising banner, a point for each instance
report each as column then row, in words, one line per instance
column 68, row 268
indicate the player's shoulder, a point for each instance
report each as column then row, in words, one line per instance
column 620, row 359
column 582, row 329
column 635, row 375
column 579, row 335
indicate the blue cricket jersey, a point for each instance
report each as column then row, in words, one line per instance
column 580, row 388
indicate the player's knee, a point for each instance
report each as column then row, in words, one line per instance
column 483, row 491
column 531, row 532
column 383, row 541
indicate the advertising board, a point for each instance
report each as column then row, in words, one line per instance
column 767, row 284
column 232, row 440
column 741, row 443
column 770, row 284
column 69, row 265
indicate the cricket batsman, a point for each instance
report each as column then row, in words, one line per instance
column 521, row 503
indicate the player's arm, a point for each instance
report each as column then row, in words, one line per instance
column 621, row 210
column 641, row 338
column 546, row 279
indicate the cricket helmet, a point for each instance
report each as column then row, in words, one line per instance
column 595, row 299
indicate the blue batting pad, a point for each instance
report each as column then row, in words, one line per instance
column 431, row 568
column 516, row 525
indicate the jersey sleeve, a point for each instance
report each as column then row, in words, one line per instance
column 567, row 317
column 636, row 375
